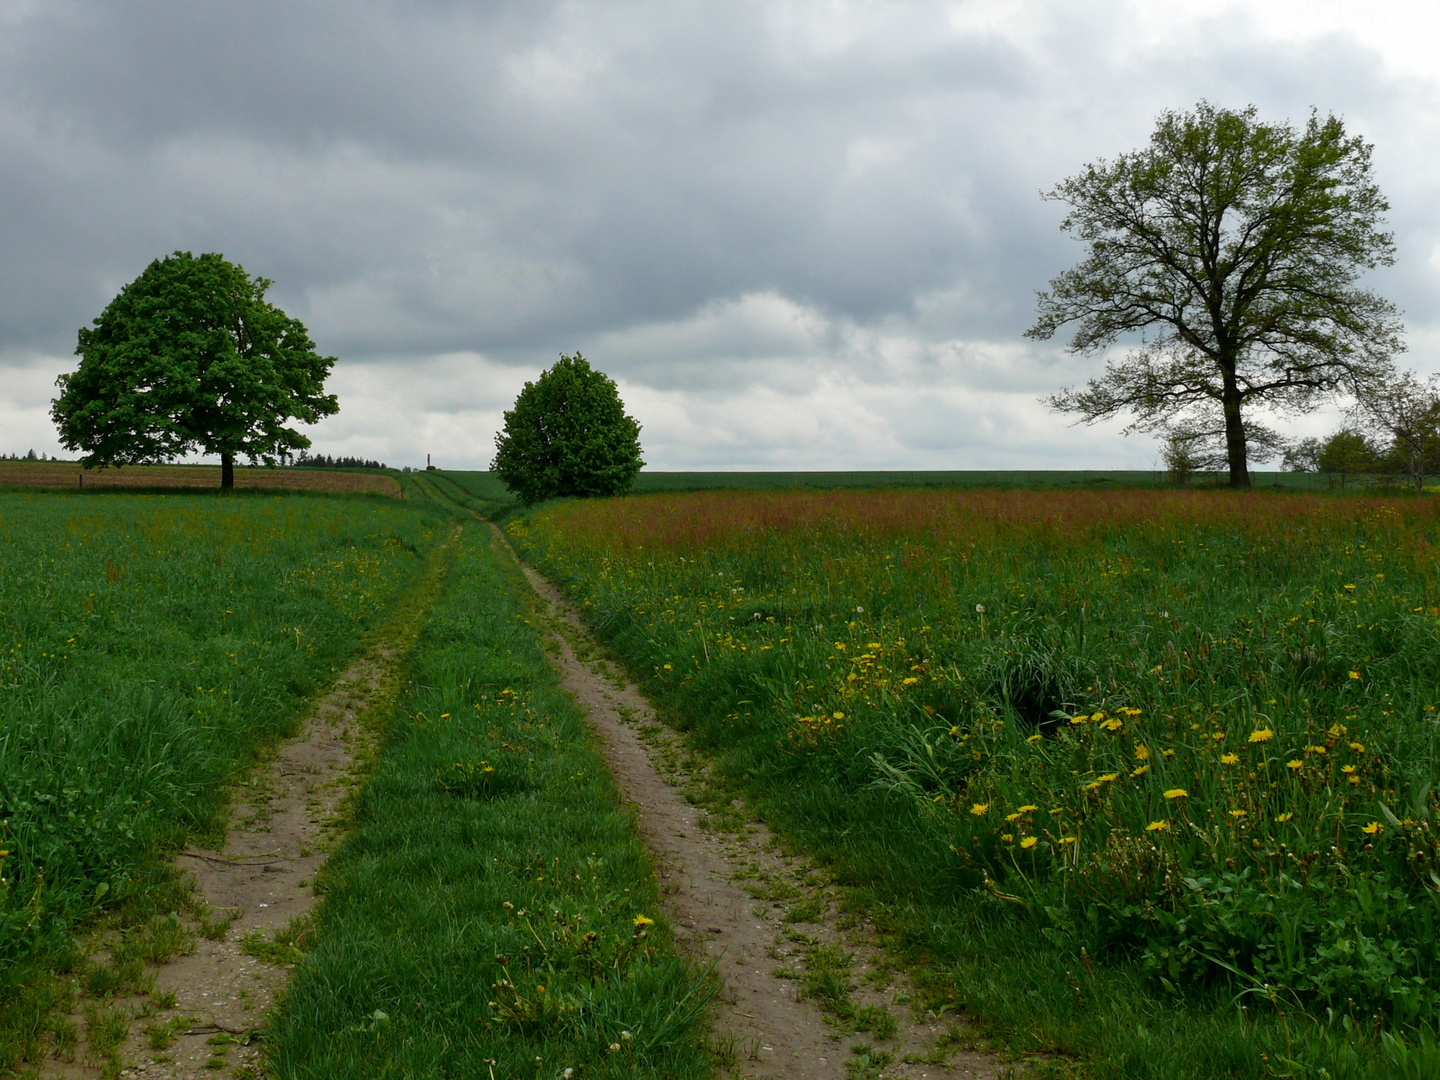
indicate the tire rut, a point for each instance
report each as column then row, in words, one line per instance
column 733, row 899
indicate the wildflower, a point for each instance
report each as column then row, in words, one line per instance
column 1157, row 826
column 1113, row 724
column 1141, row 753
column 642, row 921
column 1079, row 719
column 1167, row 753
column 1371, row 829
column 1347, row 769
column 1354, row 674
column 1349, row 588
column 1238, row 813
column 1026, row 809
column 1014, row 817
column 1033, row 738
column 668, row 667
column 1294, row 763
column 1066, row 840
column 1007, row 837
column 1177, row 793
column 1336, row 731
column 838, row 716
column 1353, row 779
column 911, row 681
column 1285, row 816
column 1140, row 770
column 955, row 730
column 980, row 609
column 1358, row 747
column 1109, row 777
column 1314, row 749
column 980, row 809
column 1229, row 759
column 1263, row 735
column 1028, row 842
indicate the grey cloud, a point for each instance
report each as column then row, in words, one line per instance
column 809, row 204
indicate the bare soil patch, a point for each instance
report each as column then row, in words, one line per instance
column 808, row 992
column 69, row 474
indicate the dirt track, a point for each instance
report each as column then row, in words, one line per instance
column 732, row 898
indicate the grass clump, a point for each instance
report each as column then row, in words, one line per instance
column 1146, row 775
column 478, row 921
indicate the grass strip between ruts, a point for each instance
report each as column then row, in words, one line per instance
column 493, row 913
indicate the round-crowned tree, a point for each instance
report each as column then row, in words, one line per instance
column 568, row 434
column 190, row 356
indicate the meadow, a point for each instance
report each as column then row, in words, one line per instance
column 148, row 645
column 1143, row 777
column 493, row 912
column 69, row 475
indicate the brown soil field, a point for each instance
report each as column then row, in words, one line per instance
column 68, row 474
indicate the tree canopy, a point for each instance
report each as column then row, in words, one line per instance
column 190, row 356
column 568, row 434
column 1232, row 249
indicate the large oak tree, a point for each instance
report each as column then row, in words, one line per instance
column 1231, row 249
column 191, row 356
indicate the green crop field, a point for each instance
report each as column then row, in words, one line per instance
column 1143, row 777
column 148, row 643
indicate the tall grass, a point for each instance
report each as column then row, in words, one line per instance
column 493, row 913
column 1169, row 754
column 147, row 644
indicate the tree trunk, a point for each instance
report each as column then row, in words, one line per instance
column 227, row 470
column 1235, row 434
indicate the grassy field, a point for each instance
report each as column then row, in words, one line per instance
column 68, row 474
column 148, row 643
column 1145, row 776
column 489, row 490
column 493, row 913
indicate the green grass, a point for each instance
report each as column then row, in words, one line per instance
column 491, row 912
column 1022, row 726
column 148, row 645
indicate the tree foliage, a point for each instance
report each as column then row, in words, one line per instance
column 568, row 434
column 1233, row 249
column 190, row 356
column 1347, row 452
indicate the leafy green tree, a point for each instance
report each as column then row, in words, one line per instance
column 190, row 356
column 568, row 434
column 1232, row 248
column 1347, row 452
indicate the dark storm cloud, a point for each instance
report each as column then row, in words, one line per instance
column 755, row 215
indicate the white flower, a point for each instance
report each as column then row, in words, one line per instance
column 980, row 608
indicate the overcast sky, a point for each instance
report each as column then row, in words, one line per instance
column 799, row 235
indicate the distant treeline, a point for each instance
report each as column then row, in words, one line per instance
column 31, row 456
column 325, row 461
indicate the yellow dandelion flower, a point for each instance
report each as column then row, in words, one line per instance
column 1238, row 813
column 642, row 921
column 1113, row 724
column 1314, row 749
column 980, row 809
column 1066, row 840
column 1263, row 735
column 1141, row 753
column 838, row 715
column 1337, row 731
column 1035, row 738
column 1140, row 770
column 1294, row 763
column 1028, row 842
column 1229, row 759
column 1371, row 829
column 1354, row 674
column 1347, row 769
column 1353, row 779
column 1026, row 809
column 1079, row 719
column 910, row 681
column 1177, row 793
column 1358, row 747
column 1109, row 777
column 1007, row 837
column 1016, row 816
column 1157, row 826
column 1285, row 816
